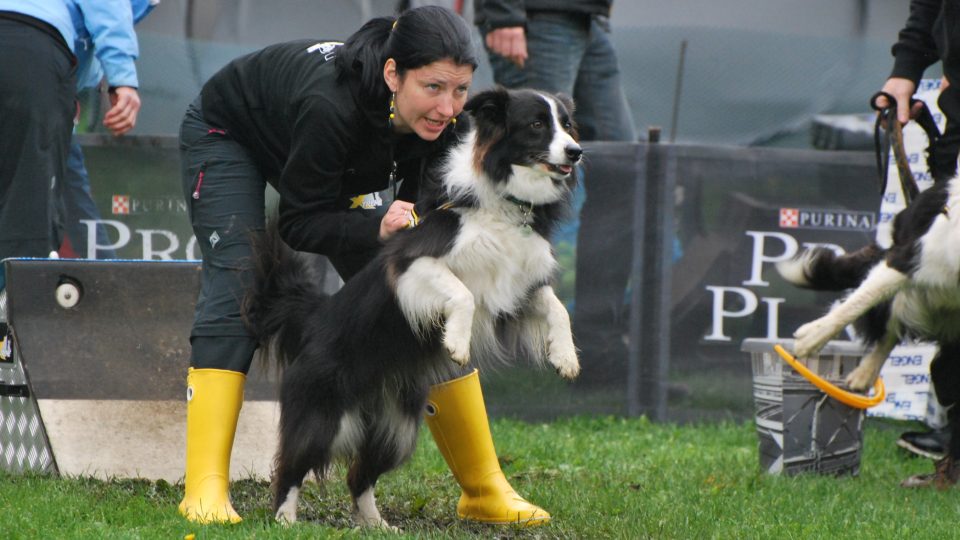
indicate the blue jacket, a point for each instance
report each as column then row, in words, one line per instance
column 106, row 24
column 89, row 72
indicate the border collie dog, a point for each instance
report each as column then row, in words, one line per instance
column 470, row 282
column 909, row 291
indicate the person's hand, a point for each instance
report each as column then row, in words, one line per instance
column 902, row 90
column 398, row 217
column 122, row 116
column 510, row 43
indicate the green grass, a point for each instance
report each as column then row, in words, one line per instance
column 600, row 477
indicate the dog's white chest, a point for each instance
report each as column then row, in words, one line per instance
column 939, row 261
column 499, row 261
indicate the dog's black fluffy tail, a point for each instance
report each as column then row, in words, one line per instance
column 823, row 270
column 285, row 295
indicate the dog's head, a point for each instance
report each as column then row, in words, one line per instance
column 526, row 143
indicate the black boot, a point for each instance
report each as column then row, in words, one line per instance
column 929, row 444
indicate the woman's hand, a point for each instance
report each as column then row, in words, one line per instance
column 902, row 90
column 398, row 217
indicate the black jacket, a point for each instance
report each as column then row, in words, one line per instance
column 491, row 14
column 316, row 142
column 932, row 33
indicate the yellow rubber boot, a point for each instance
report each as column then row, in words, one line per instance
column 214, row 397
column 458, row 420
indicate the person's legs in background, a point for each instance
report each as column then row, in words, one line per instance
column 77, row 205
column 556, row 44
column 37, row 109
column 601, row 103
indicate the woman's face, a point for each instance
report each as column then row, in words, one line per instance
column 427, row 97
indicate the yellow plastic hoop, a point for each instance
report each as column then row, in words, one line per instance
column 856, row 401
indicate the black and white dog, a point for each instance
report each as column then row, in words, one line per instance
column 909, row 291
column 470, row 282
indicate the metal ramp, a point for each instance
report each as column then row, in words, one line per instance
column 93, row 372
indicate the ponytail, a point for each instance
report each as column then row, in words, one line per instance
column 362, row 54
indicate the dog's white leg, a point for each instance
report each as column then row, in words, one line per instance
column 366, row 514
column 427, row 291
column 881, row 283
column 287, row 513
column 561, row 351
column 863, row 377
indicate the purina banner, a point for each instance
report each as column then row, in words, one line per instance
column 136, row 187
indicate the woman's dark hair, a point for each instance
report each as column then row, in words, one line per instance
column 418, row 37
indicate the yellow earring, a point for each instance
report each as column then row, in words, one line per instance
column 393, row 108
column 453, row 120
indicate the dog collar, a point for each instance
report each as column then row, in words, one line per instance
column 526, row 210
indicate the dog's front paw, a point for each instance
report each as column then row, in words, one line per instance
column 567, row 364
column 862, row 378
column 811, row 337
column 458, row 347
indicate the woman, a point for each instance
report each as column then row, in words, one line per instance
column 329, row 126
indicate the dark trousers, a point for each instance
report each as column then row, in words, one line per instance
column 224, row 190
column 37, row 89
column 942, row 159
column 78, row 213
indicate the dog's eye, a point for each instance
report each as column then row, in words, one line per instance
column 567, row 126
column 537, row 125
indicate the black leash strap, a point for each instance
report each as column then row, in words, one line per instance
column 888, row 123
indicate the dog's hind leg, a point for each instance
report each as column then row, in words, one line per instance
column 864, row 375
column 305, row 445
column 428, row 291
column 881, row 283
column 361, row 479
column 389, row 442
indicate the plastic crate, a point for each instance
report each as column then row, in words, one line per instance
column 800, row 428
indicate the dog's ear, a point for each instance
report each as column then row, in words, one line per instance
column 489, row 111
column 489, row 106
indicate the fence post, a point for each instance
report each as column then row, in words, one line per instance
column 649, row 351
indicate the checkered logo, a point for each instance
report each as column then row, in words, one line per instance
column 121, row 204
column 789, row 218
